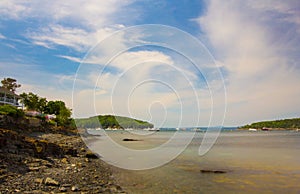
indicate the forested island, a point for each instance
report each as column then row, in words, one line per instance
column 111, row 121
column 284, row 124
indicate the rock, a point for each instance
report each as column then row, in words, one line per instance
column 64, row 160
column 34, row 168
column 62, row 189
column 51, row 182
column 66, row 185
column 74, row 188
column 129, row 139
column 115, row 188
column 91, row 155
column 68, row 168
column 70, row 151
column 213, row 171
column 38, row 180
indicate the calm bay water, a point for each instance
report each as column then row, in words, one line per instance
column 255, row 162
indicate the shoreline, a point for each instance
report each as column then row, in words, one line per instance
column 268, row 129
column 52, row 160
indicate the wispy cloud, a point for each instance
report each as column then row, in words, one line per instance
column 75, row 59
column 2, row 36
column 53, row 35
column 256, row 41
column 91, row 13
column 75, row 24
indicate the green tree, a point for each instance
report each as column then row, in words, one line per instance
column 10, row 84
column 62, row 113
column 54, row 107
column 33, row 102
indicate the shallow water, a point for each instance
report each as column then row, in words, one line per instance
column 260, row 162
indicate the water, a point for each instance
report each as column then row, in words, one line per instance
column 255, row 162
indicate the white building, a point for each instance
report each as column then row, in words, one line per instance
column 9, row 97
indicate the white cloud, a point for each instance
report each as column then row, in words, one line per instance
column 76, row 38
column 257, row 42
column 128, row 60
column 75, row 59
column 2, row 36
column 13, row 9
column 75, row 24
column 91, row 13
column 143, row 78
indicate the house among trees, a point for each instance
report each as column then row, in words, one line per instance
column 9, row 97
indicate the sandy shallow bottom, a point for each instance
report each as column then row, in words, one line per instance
column 264, row 162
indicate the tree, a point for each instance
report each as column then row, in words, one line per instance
column 54, row 107
column 62, row 113
column 10, row 84
column 33, row 102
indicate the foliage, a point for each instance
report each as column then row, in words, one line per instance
column 33, row 102
column 10, row 84
column 286, row 124
column 91, row 122
column 110, row 121
column 54, row 107
column 62, row 113
column 11, row 111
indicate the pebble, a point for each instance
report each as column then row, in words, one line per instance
column 38, row 180
column 63, row 189
column 66, row 185
column 51, row 182
column 75, row 188
column 68, row 168
column 52, row 174
column 64, row 160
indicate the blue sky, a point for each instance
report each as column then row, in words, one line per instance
column 254, row 44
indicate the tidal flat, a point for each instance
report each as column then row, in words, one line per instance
column 251, row 162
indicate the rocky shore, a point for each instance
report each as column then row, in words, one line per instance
column 45, row 159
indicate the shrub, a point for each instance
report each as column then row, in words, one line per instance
column 11, row 111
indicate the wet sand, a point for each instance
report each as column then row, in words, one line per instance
column 260, row 162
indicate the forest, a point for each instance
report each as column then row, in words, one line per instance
column 284, row 123
column 111, row 121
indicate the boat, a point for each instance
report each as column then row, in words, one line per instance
column 265, row 129
column 152, row 129
column 252, row 129
column 197, row 130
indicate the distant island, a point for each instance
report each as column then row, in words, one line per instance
column 111, row 121
column 284, row 124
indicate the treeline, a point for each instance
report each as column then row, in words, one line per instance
column 110, row 121
column 285, row 124
column 58, row 108
column 33, row 102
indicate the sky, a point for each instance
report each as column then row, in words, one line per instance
column 209, row 62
